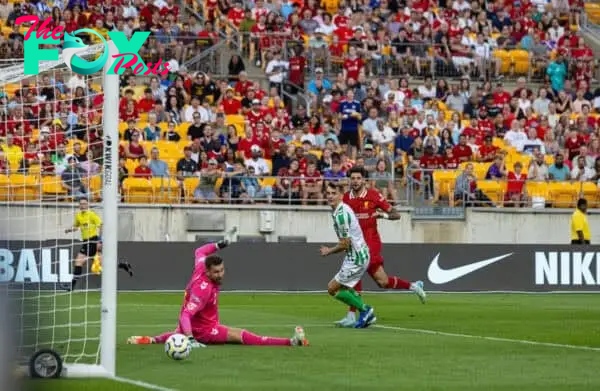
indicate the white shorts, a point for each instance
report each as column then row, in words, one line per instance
column 350, row 273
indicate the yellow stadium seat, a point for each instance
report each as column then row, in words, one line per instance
column 562, row 194
column 481, row 169
column 520, row 60
column 122, row 128
column 506, row 60
column 166, row 190
column 95, row 186
column 4, row 188
column 130, row 165
column 53, row 188
column 549, row 160
column 24, row 187
column 493, row 189
column 218, row 184
column 270, row 181
column 536, row 189
column 443, row 180
column 189, row 185
column 138, row 190
column 182, row 130
column 71, row 142
column 238, row 121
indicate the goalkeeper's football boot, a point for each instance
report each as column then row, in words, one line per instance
column 417, row 287
column 348, row 321
column 126, row 266
column 299, row 339
column 365, row 318
column 136, row 340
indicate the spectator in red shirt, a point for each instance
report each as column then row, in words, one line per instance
column 312, row 183
column 487, row 152
column 462, row 151
column 146, row 104
column 243, row 84
column 515, row 186
column 297, row 64
column 236, row 14
column 450, row 161
column 429, row 162
column 352, row 65
column 230, row 105
column 143, row 171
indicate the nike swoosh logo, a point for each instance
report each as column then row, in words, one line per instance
column 437, row 275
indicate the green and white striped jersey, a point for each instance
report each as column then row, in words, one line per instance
column 346, row 225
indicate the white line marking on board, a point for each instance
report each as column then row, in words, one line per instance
column 400, row 329
column 485, row 338
column 141, row 384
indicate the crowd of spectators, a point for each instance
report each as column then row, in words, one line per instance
column 243, row 142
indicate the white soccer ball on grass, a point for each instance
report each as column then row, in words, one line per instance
column 178, row 347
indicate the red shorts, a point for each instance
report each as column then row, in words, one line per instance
column 216, row 335
column 375, row 262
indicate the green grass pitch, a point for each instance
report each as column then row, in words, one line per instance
column 383, row 358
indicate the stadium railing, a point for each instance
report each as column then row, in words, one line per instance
column 439, row 187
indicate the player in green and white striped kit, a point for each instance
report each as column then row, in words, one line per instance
column 356, row 261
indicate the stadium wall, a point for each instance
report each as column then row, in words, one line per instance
column 299, row 266
column 189, row 223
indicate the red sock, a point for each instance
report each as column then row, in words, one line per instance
column 252, row 339
column 397, row 283
column 358, row 289
column 163, row 337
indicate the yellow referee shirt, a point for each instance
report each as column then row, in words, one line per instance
column 88, row 222
column 579, row 222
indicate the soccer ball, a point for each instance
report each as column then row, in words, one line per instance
column 178, row 347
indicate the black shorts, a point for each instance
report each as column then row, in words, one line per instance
column 90, row 247
column 348, row 138
column 577, row 241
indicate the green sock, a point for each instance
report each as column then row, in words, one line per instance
column 351, row 298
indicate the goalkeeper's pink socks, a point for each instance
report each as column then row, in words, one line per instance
column 252, row 339
column 163, row 337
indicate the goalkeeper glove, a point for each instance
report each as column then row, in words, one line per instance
column 221, row 244
column 195, row 344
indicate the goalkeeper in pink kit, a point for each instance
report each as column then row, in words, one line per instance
column 199, row 316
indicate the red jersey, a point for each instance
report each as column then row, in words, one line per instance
column 462, row 152
column 451, row 163
column 515, row 184
column 353, row 68
column 502, row 98
column 254, row 117
column 364, row 206
column 231, row 106
column 143, row 172
column 488, row 152
column 242, row 87
column 236, row 16
column 296, row 72
column 430, row 162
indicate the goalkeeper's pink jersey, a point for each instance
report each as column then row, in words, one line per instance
column 200, row 306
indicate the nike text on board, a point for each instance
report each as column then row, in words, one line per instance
column 437, row 275
column 567, row 268
column 23, row 266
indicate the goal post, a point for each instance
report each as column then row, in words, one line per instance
column 108, row 336
column 35, row 252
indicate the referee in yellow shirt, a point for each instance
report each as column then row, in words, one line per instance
column 580, row 229
column 90, row 225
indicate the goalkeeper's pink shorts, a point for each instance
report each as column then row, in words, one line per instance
column 215, row 335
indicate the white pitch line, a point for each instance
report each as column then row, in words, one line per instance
column 148, row 386
column 408, row 330
column 494, row 339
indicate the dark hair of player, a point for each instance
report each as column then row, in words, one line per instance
column 337, row 186
column 582, row 202
column 357, row 170
column 213, row 260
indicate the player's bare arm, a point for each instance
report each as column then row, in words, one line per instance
column 343, row 245
column 72, row 229
column 392, row 214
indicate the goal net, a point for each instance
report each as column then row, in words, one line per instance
column 56, row 133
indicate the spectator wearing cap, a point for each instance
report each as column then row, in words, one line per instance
column 538, row 170
column 261, row 168
column 186, row 166
column 370, row 158
column 313, row 85
column 383, row 136
column 205, row 191
column 276, row 71
column 72, row 179
column 252, row 189
column 559, row 171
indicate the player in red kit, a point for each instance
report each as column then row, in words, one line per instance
column 369, row 205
